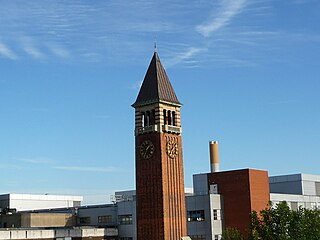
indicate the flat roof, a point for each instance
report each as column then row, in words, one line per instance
column 47, row 197
column 294, row 177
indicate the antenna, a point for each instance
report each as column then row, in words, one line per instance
column 155, row 47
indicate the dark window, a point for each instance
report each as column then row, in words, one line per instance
column 174, row 121
column 169, row 118
column 216, row 214
column 153, row 117
column 85, row 220
column 147, row 119
column 143, row 119
column 164, row 117
column 125, row 219
column 195, row 216
column 198, row 237
column 105, row 219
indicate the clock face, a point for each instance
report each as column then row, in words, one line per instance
column 172, row 148
column 146, row 149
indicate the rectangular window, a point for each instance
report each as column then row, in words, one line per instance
column 105, row 219
column 195, row 216
column 125, row 219
column 294, row 206
column 317, row 188
column 198, row 237
column 216, row 214
column 85, row 220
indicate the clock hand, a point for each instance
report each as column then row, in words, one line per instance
column 147, row 148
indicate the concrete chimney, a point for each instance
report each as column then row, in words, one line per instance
column 214, row 156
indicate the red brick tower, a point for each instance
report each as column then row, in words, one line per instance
column 159, row 166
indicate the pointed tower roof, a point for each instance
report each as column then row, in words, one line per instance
column 156, row 86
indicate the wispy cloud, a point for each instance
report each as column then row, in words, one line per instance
column 72, row 31
column 5, row 51
column 29, row 47
column 40, row 161
column 32, row 51
column 53, row 165
column 10, row 167
column 59, row 51
column 185, row 56
column 227, row 9
column 86, row 169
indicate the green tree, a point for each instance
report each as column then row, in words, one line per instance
column 279, row 222
column 232, row 234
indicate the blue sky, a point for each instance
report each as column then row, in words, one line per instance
column 247, row 72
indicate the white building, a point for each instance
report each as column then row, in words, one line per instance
column 26, row 202
column 298, row 190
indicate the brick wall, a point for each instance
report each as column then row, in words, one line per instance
column 242, row 191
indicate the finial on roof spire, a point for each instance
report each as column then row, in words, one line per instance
column 155, row 47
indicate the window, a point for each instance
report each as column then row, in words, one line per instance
column 164, row 117
column 198, row 237
column 169, row 118
column 197, row 216
column 174, row 121
column 317, row 188
column 85, row 220
column 216, row 214
column 294, row 206
column 142, row 119
column 152, row 117
column 125, row 219
column 147, row 122
column 76, row 203
column 105, row 219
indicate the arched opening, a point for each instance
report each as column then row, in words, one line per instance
column 169, row 118
column 142, row 119
column 153, row 117
column 164, row 116
column 174, row 121
column 148, row 119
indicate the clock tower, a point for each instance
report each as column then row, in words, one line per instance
column 161, row 213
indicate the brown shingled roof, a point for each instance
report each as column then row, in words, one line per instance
column 156, row 86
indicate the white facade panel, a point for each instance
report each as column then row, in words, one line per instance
column 64, row 234
column 310, row 177
column 299, row 200
column 209, row 226
column 26, row 202
column 309, row 188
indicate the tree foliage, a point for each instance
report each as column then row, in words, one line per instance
column 279, row 222
column 231, row 234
